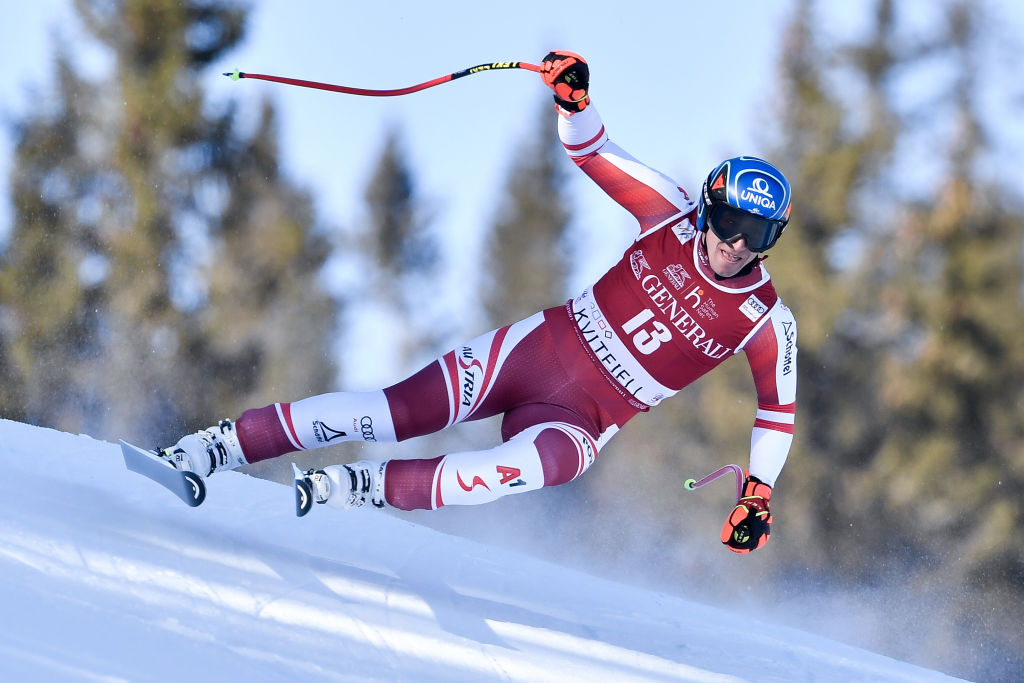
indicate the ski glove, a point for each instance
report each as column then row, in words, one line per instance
column 750, row 523
column 569, row 76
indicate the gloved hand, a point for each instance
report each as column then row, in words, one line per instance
column 750, row 523
column 569, row 76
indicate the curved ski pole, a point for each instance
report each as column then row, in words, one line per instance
column 348, row 90
column 693, row 484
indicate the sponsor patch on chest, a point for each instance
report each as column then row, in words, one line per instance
column 677, row 275
column 753, row 308
column 639, row 263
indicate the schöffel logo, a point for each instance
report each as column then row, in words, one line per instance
column 325, row 434
column 787, row 360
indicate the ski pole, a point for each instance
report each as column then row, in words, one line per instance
column 692, row 484
column 348, row 90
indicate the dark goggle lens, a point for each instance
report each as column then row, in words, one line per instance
column 730, row 224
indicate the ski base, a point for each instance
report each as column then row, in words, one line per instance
column 188, row 486
column 303, row 492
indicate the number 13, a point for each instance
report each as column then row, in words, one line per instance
column 646, row 341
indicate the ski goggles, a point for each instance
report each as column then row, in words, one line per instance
column 730, row 224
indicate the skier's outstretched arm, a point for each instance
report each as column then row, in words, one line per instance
column 651, row 197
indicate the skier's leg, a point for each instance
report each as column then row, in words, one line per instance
column 449, row 390
column 545, row 454
column 314, row 422
column 455, row 388
column 555, row 424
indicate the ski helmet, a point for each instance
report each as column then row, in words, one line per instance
column 745, row 197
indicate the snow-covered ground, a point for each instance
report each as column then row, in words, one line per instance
column 107, row 577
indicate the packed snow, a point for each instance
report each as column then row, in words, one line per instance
column 109, row 577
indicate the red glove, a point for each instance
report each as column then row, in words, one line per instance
column 750, row 523
column 569, row 76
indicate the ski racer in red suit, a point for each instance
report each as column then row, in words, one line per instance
column 688, row 292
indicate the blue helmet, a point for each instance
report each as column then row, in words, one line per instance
column 745, row 197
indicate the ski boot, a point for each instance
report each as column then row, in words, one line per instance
column 345, row 486
column 207, row 451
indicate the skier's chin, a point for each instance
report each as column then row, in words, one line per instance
column 726, row 263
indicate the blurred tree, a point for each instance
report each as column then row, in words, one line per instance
column 908, row 295
column 837, row 158
column 161, row 272
column 397, row 234
column 526, row 261
column 947, row 476
column 52, row 268
column 403, row 252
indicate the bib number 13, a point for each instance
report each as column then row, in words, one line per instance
column 647, row 337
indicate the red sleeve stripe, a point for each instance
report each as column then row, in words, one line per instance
column 775, row 408
column 592, row 141
column 438, row 500
column 491, row 369
column 774, row 426
column 284, row 413
column 772, row 416
column 448, row 363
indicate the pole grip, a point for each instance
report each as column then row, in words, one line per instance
column 694, row 484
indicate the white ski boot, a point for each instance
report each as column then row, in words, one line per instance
column 348, row 486
column 207, row 451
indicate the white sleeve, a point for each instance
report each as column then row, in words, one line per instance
column 772, row 351
column 582, row 133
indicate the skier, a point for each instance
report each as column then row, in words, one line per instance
column 688, row 292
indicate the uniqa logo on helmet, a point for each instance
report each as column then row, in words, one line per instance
column 760, row 195
column 758, row 192
column 750, row 184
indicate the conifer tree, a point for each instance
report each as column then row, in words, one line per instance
column 836, row 167
column 946, row 476
column 402, row 250
column 908, row 300
column 52, row 267
column 161, row 272
column 398, row 240
column 525, row 260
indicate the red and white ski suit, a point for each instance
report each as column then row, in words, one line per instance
column 567, row 378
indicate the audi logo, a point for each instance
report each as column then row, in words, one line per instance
column 366, row 427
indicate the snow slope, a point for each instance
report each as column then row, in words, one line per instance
column 108, row 577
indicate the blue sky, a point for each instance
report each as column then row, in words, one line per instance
column 460, row 136
column 680, row 85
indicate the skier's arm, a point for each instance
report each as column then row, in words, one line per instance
column 771, row 352
column 650, row 196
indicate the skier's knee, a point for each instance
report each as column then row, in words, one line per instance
column 566, row 452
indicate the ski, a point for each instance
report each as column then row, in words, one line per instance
column 188, row 486
column 303, row 492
